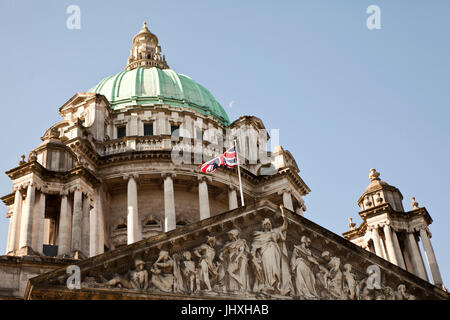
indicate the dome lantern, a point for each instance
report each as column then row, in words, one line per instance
column 145, row 51
column 379, row 192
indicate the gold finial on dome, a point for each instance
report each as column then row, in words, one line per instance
column 374, row 175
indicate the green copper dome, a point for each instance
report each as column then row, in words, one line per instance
column 152, row 86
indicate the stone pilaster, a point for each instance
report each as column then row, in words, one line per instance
column 26, row 225
column 65, row 228
column 134, row 233
column 287, row 200
column 416, row 257
column 397, row 249
column 203, row 198
column 76, row 220
column 390, row 245
column 85, row 234
column 169, row 202
column 232, row 198
column 15, row 228
column 38, row 223
column 96, row 231
column 376, row 242
column 431, row 258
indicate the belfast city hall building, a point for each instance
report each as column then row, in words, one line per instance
column 113, row 204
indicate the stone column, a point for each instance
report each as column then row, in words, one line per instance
column 134, row 233
column 38, row 221
column 376, row 242
column 203, row 198
column 398, row 251
column 169, row 202
column 232, row 198
column 85, row 234
column 431, row 258
column 65, row 228
column 390, row 245
column 96, row 235
column 100, row 222
column 287, row 200
column 10, row 226
column 416, row 256
column 383, row 248
column 76, row 220
column 14, row 222
column 26, row 225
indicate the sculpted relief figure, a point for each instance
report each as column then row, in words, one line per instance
column 322, row 274
column 335, row 278
column 139, row 276
column 401, row 293
column 302, row 264
column 134, row 279
column 349, row 282
column 166, row 274
column 270, row 259
column 190, row 273
column 208, row 270
column 234, row 254
column 368, row 287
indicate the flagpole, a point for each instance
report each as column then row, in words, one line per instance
column 239, row 172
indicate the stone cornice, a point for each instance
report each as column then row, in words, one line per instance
column 394, row 219
column 8, row 199
column 53, row 176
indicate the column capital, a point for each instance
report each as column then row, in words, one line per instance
column 425, row 229
column 64, row 191
column 76, row 188
column 205, row 178
column 411, row 230
column 383, row 224
column 165, row 175
column 232, row 187
column 395, row 227
column 42, row 187
column 127, row 176
column 31, row 184
column 284, row 190
column 422, row 227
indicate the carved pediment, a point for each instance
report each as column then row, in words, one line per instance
column 253, row 252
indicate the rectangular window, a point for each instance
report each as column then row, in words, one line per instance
column 148, row 129
column 175, row 131
column 198, row 133
column 121, row 132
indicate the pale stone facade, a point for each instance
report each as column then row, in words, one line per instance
column 90, row 187
column 393, row 234
column 121, row 172
column 259, row 251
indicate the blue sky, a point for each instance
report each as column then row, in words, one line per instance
column 346, row 99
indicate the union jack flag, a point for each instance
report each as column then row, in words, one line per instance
column 212, row 165
column 228, row 159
